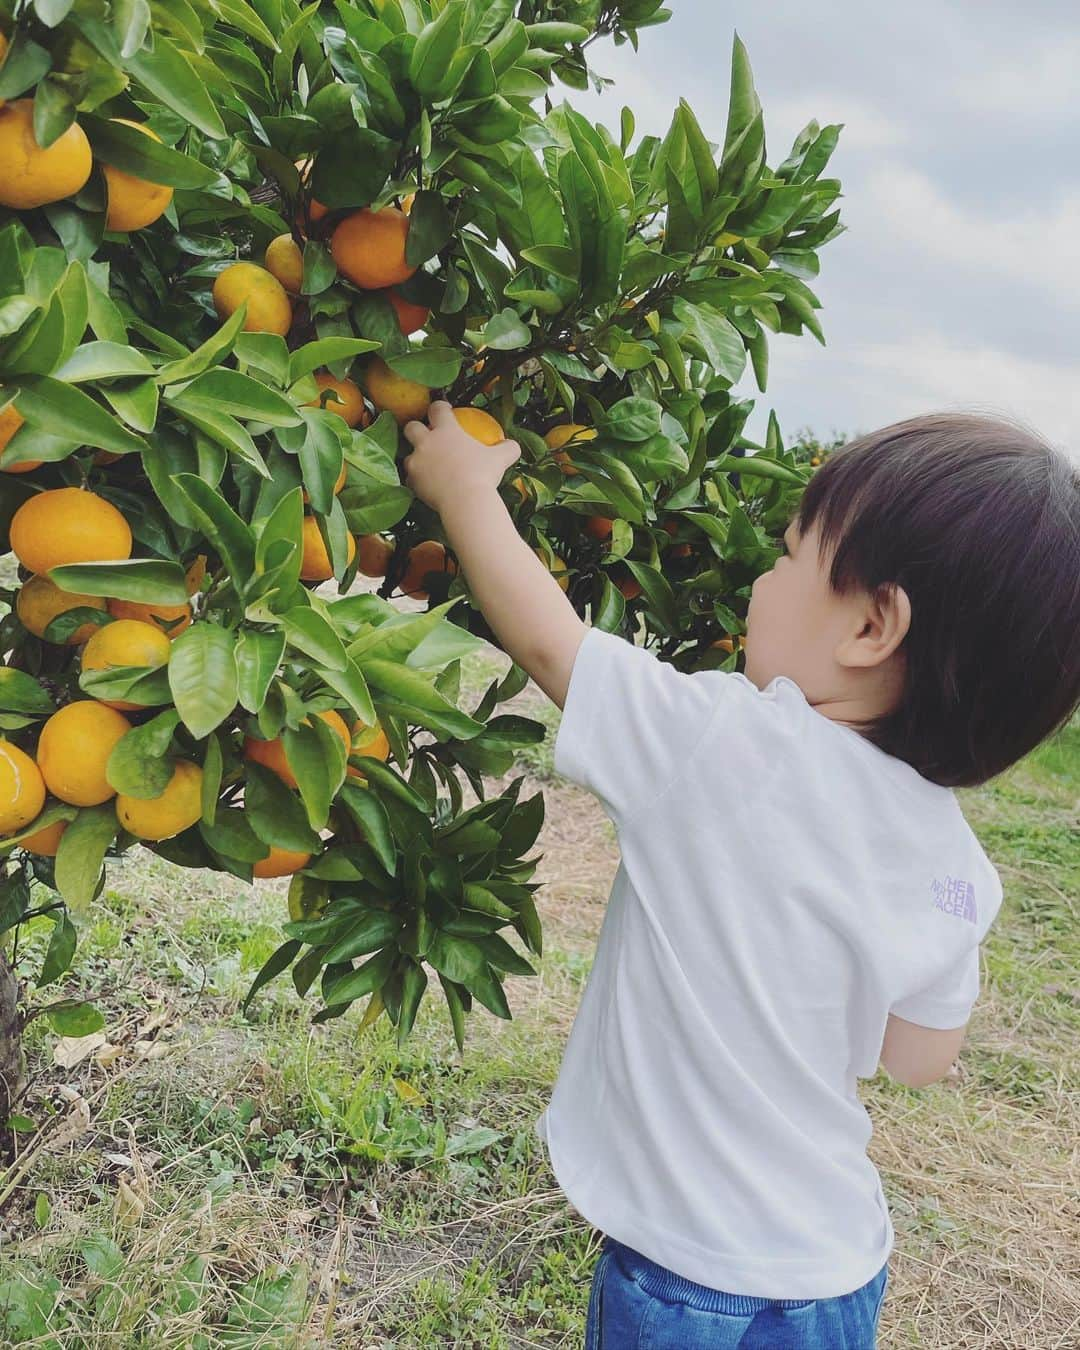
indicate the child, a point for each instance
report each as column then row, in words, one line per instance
column 799, row 894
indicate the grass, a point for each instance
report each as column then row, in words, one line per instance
column 213, row 1182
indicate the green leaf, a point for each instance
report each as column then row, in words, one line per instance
column 357, row 983
column 310, row 633
column 146, row 579
column 137, row 766
column 24, row 65
column 316, row 756
column 103, row 361
column 151, row 581
column 720, row 341
column 370, row 815
column 54, row 112
column 21, row 693
column 313, row 355
column 321, row 456
column 75, row 1019
column 279, row 961
column 61, row 410
column 168, row 74
column 203, row 677
column 430, row 227
column 258, row 656
column 430, row 67
column 61, row 949
column 370, row 932
column 276, row 813
column 229, row 391
column 632, row 419
column 81, row 854
column 506, row 332
column 213, row 350
column 136, row 153
column 437, row 367
column 220, row 523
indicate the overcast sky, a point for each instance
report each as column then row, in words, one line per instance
column 957, row 283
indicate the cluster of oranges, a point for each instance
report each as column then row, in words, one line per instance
column 72, row 525
column 36, row 176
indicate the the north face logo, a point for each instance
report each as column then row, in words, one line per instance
column 954, row 896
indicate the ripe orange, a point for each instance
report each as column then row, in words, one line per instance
column 40, row 600
column 178, row 807
column 33, row 176
column 729, row 644
column 407, row 202
column 10, row 422
column 556, row 566
column 134, row 202
column 45, row 842
column 428, row 556
column 126, row 642
column 411, row 318
column 74, row 748
column 168, row 619
column 480, row 425
column 368, row 740
column 599, row 527
column 628, row 585
column 315, row 565
column 375, row 554
column 284, row 261
column 22, row 789
column 281, row 862
column 390, row 392
column 557, row 437
column 68, row 525
column 679, row 550
column 490, row 385
column 368, row 247
column 346, row 400
column 522, row 490
column 271, row 754
column 269, row 308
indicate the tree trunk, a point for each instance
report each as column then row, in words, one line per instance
column 11, row 1055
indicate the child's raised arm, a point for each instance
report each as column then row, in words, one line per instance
column 459, row 478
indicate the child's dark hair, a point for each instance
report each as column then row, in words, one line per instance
column 978, row 519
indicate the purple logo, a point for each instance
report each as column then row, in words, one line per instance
column 954, row 896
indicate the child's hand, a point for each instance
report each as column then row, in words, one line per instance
column 448, row 463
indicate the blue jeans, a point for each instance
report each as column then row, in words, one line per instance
column 638, row 1305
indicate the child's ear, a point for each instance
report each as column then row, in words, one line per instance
column 882, row 620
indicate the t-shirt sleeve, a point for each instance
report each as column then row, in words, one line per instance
column 630, row 721
column 948, row 1001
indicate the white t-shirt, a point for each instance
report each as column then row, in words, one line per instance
column 784, row 885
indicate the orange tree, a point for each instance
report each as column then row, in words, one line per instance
column 240, row 245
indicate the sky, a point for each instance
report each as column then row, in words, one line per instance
column 957, row 282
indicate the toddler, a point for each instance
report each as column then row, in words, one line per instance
column 799, row 897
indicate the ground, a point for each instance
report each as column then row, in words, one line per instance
column 212, row 1182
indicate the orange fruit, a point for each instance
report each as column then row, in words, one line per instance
column 284, row 261
column 522, row 490
column 345, row 399
column 679, row 550
column 10, row 422
column 40, row 600
column 480, row 425
column 271, row 754
column 134, row 202
column 729, row 644
column 22, row 789
column 68, row 525
column 177, row 808
column 390, row 392
column 168, row 619
column 375, row 554
column 599, row 527
column 407, row 202
column 490, row 385
column 281, row 862
column 556, row 566
column 557, row 437
column 269, row 308
column 368, row 740
column 368, row 247
column 33, row 176
column 122, row 643
column 628, row 585
column 74, row 748
column 428, row 556
column 411, row 318
column 45, row 842
column 315, row 564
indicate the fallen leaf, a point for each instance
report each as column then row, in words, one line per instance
column 71, row 1050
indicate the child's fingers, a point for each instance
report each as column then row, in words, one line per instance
column 439, row 412
column 416, row 432
column 510, row 451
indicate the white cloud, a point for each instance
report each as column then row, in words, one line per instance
column 1039, row 246
column 865, row 128
column 874, row 385
column 1036, row 84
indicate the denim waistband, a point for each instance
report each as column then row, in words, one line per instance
column 658, row 1282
